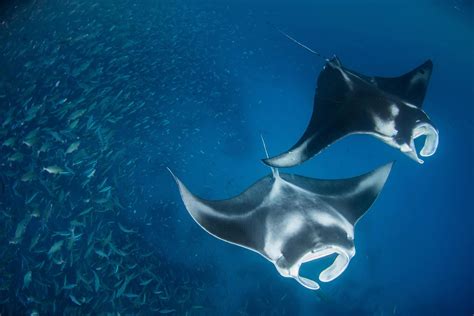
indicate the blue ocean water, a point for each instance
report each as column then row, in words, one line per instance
column 191, row 85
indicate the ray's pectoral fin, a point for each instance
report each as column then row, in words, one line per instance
column 330, row 121
column 352, row 197
column 221, row 218
column 411, row 86
column 308, row 146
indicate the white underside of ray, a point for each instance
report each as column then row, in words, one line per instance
column 325, row 216
column 318, row 212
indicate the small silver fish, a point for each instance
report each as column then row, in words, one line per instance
column 54, row 169
column 73, row 147
column 27, row 280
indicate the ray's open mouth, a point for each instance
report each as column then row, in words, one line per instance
column 330, row 273
column 431, row 141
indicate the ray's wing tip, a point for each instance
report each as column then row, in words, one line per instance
column 267, row 161
column 284, row 160
column 428, row 65
column 169, row 170
column 173, row 175
column 390, row 164
column 183, row 191
column 275, row 162
column 384, row 171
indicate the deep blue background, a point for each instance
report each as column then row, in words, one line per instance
column 415, row 245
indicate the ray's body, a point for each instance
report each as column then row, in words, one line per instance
column 291, row 219
column 347, row 102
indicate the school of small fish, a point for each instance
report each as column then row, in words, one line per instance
column 84, row 87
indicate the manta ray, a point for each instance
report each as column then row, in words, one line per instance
column 347, row 102
column 291, row 219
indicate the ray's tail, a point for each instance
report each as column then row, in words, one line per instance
column 274, row 170
column 298, row 42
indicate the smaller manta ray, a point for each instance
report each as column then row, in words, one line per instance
column 347, row 102
column 291, row 219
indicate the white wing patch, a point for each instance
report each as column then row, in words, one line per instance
column 385, row 127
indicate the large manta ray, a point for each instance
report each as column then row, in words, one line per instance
column 347, row 102
column 291, row 219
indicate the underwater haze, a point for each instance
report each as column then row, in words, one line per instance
column 98, row 98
